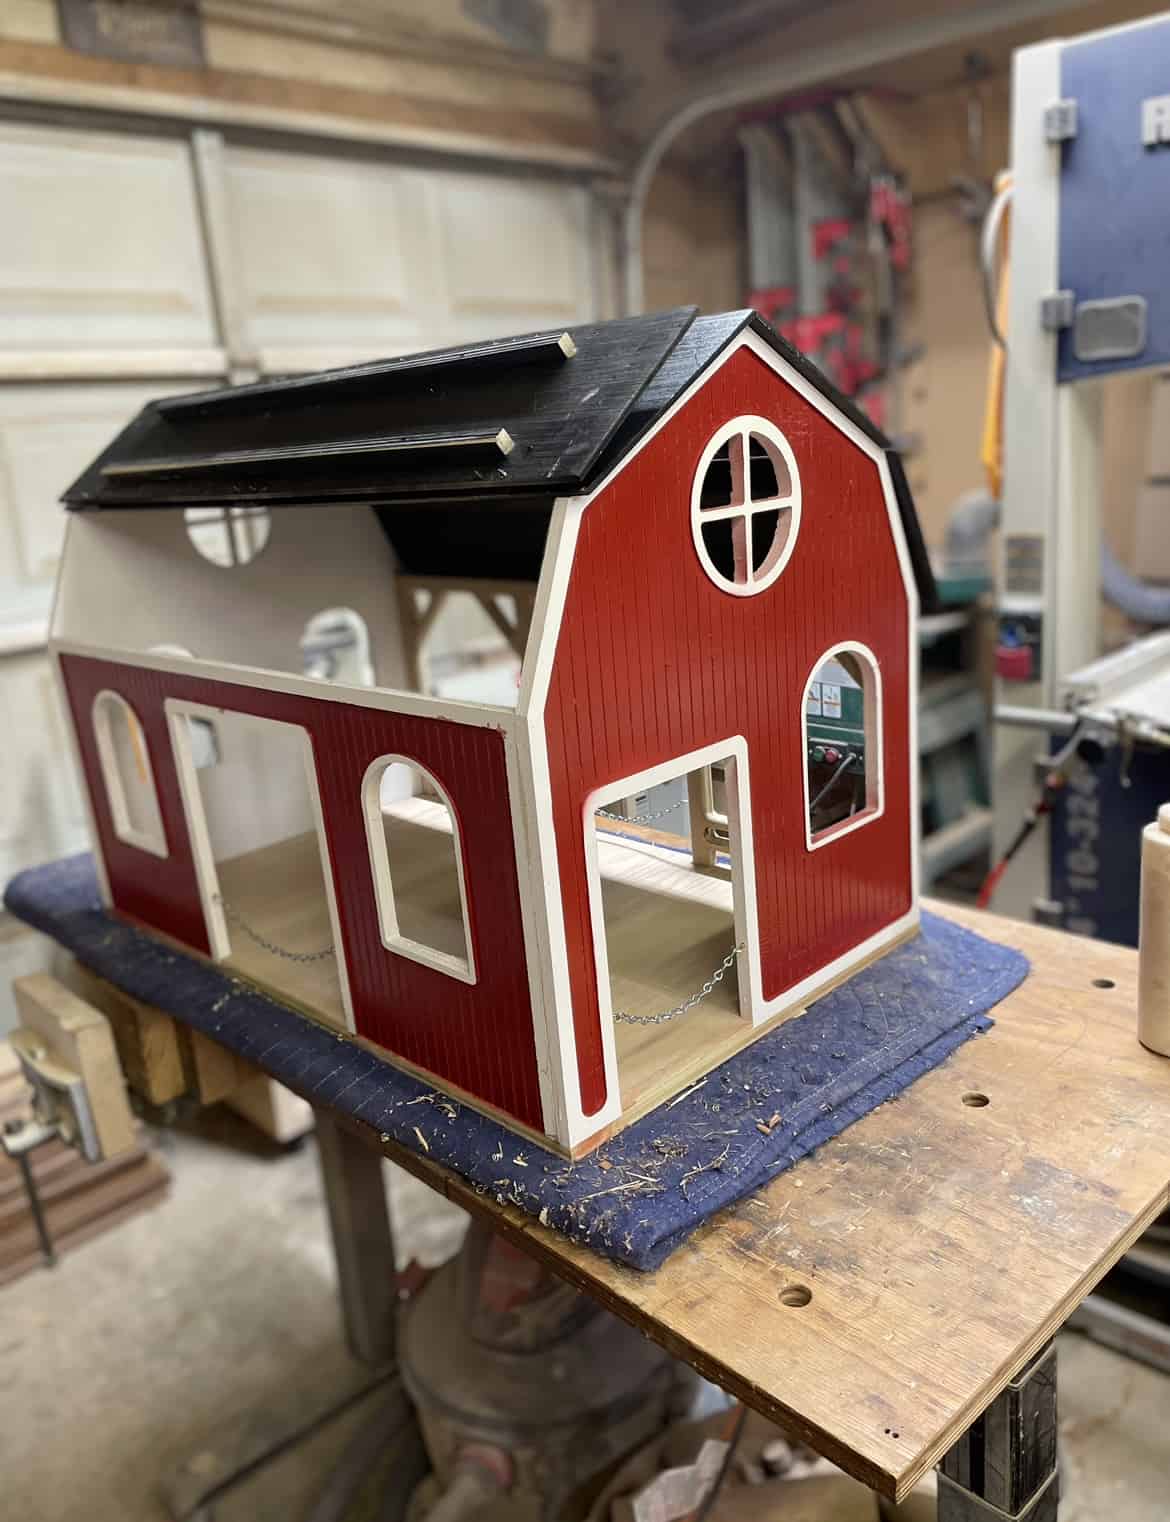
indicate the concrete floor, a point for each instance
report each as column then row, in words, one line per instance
column 222, row 1300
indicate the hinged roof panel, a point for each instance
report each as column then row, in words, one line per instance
column 518, row 415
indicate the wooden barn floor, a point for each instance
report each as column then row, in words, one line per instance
column 668, row 928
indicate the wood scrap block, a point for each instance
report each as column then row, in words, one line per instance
column 80, row 1038
column 163, row 1059
column 213, row 1072
column 146, row 1039
column 272, row 1108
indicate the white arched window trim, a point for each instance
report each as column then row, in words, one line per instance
column 743, row 505
column 462, row 968
column 152, row 839
column 875, row 779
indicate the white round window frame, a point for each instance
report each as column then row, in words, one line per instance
column 225, row 519
column 746, row 425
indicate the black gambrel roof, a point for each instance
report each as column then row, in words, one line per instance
column 507, row 424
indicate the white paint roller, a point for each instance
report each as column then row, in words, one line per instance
column 1154, row 942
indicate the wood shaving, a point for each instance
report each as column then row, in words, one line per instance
column 715, row 1166
column 686, row 1093
column 634, row 1183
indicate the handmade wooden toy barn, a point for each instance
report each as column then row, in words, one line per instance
column 708, row 563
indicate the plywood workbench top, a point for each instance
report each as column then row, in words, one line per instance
column 879, row 1294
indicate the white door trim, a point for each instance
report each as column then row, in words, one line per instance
column 206, row 875
column 743, row 880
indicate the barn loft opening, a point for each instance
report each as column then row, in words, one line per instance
column 475, row 648
column 465, row 638
column 460, row 453
column 466, row 587
column 667, row 864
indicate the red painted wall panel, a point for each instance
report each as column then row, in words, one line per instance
column 479, row 1037
column 654, row 661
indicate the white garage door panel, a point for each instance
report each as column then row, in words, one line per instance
column 514, row 249
column 48, row 435
column 101, row 246
column 329, row 253
column 104, row 276
column 339, row 260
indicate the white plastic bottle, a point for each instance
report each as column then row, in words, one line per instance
column 1154, row 942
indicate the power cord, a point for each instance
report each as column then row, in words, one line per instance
column 988, row 241
column 828, row 787
column 1055, row 780
column 708, row 1501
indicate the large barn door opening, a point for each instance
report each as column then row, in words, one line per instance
column 670, row 890
column 252, row 809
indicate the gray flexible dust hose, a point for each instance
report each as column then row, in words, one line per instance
column 970, row 523
column 1144, row 603
column 975, row 514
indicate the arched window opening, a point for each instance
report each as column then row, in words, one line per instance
column 335, row 647
column 127, row 774
column 842, row 739
column 416, row 858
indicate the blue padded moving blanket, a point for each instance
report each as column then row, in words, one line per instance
column 638, row 1196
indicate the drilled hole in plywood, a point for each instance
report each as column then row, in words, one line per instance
column 1104, row 983
column 795, row 1295
column 891, row 1433
column 976, row 1101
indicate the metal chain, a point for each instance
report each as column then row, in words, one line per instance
column 622, row 1017
column 642, row 818
column 238, row 919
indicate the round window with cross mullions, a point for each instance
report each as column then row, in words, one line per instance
column 745, row 506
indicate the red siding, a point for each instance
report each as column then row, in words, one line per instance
column 654, row 661
column 479, row 1037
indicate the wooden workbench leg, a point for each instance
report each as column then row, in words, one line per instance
column 363, row 1245
column 1005, row 1466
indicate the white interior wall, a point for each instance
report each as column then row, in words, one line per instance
column 256, row 793
column 131, row 580
column 466, row 656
